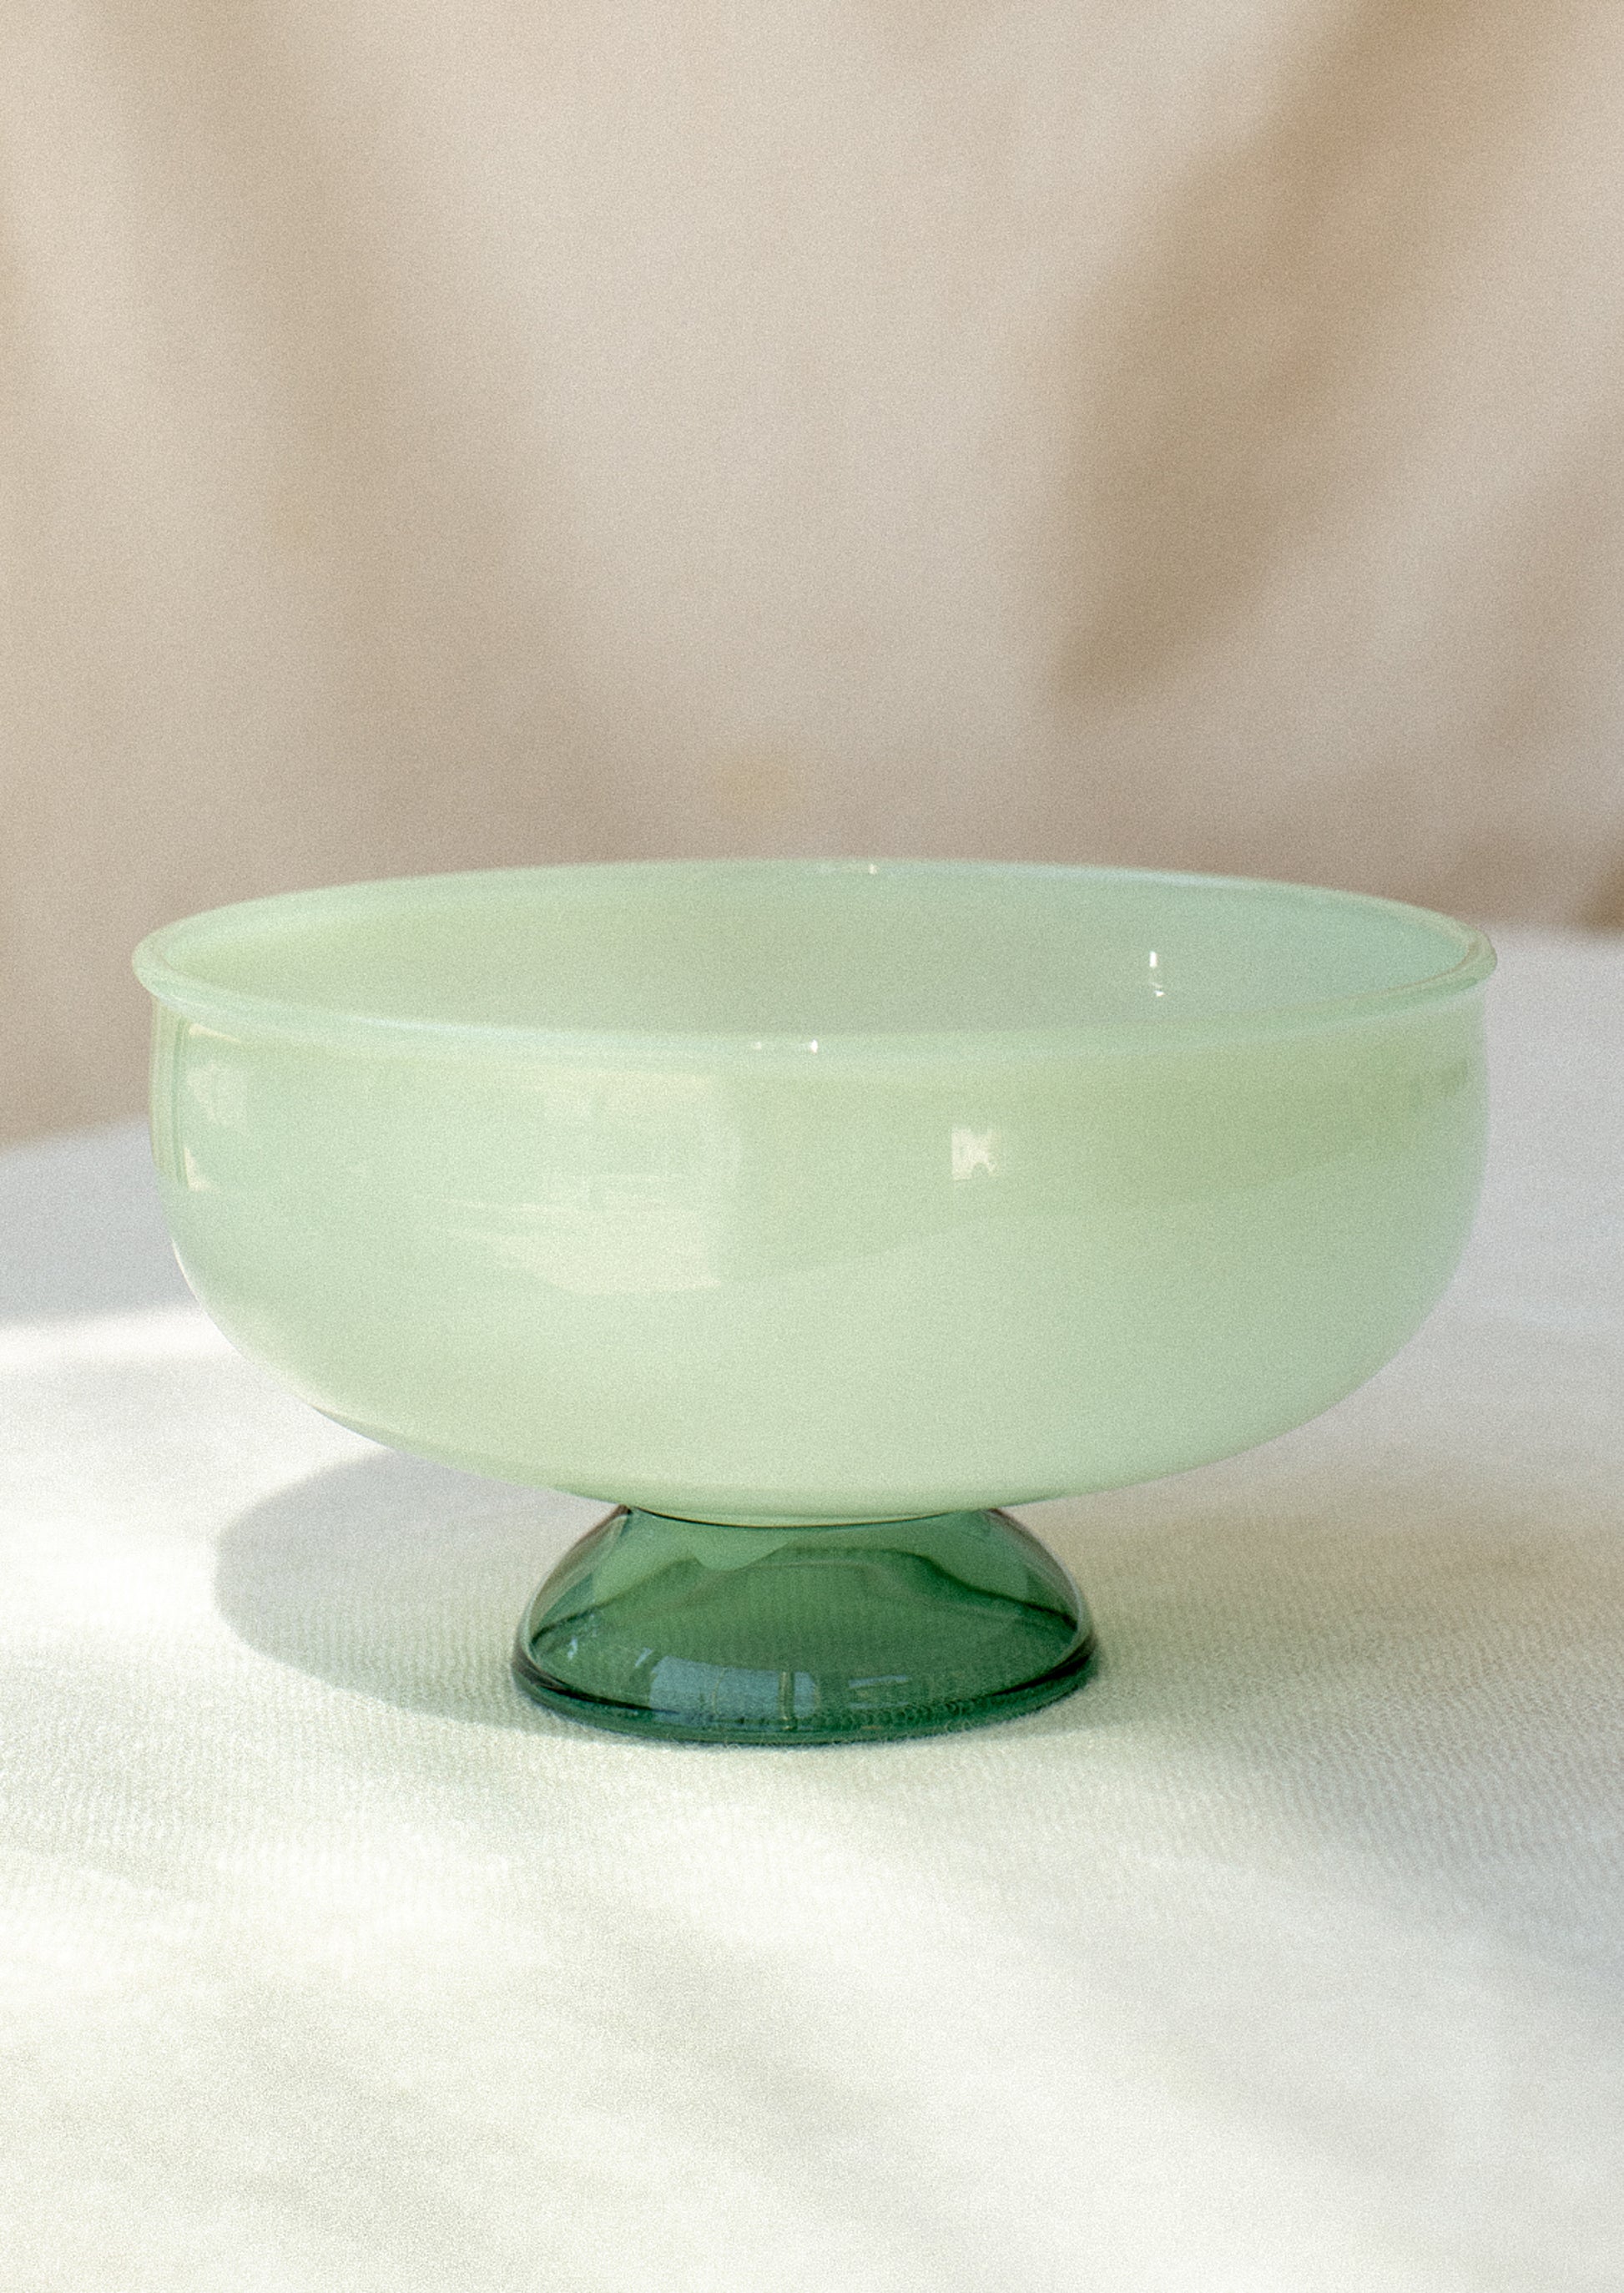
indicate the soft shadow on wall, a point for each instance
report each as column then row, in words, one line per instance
column 903, row 434
column 1343, row 529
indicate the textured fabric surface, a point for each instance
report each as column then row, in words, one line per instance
column 470, row 432
column 1288, row 1954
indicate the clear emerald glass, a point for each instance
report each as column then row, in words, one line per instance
column 702, row 1633
column 825, row 1199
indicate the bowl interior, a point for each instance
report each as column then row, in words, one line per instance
column 809, row 951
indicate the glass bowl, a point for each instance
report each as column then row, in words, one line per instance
column 809, row 1210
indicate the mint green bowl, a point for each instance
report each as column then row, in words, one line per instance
column 807, row 1209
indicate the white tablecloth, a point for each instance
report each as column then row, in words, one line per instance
column 1289, row 1954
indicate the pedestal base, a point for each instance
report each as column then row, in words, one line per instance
column 701, row 1633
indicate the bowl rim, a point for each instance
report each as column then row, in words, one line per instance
column 159, row 964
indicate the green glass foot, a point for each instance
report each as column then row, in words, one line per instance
column 699, row 1634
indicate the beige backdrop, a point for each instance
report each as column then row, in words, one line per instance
column 1176, row 431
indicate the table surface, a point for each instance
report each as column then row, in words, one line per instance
column 1288, row 1954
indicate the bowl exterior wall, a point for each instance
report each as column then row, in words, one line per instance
column 784, row 1290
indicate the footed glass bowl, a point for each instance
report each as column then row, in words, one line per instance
column 806, row 1211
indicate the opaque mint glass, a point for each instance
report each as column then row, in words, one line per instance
column 784, row 1193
